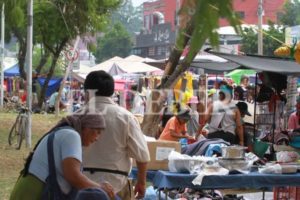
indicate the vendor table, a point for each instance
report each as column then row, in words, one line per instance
column 254, row 180
column 165, row 180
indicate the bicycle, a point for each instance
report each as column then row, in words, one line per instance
column 18, row 130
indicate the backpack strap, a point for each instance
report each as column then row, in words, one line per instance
column 51, row 163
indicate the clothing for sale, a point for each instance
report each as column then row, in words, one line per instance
column 138, row 104
column 193, row 124
column 183, row 89
column 174, row 125
column 120, row 141
column 200, row 147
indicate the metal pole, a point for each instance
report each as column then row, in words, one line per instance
column 177, row 17
column 62, row 85
column 260, row 13
column 2, row 59
column 29, row 70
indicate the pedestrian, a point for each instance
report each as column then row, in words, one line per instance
column 294, row 118
column 138, row 103
column 240, row 92
column 110, row 158
column 68, row 137
column 175, row 128
column 224, row 118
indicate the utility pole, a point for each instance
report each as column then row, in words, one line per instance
column 260, row 13
column 29, row 70
column 177, row 17
column 2, row 58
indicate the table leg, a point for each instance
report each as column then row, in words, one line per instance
column 166, row 193
column 263, row 195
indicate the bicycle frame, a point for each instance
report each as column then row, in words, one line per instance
column 18, row 130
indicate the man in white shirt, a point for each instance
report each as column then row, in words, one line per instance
column 109, row 159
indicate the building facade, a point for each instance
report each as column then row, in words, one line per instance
column 158, row 35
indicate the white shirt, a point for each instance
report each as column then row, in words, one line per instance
column 138, row 104
column 121, row 140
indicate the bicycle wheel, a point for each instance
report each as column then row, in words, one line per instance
column 22, row 131
column 14, row 133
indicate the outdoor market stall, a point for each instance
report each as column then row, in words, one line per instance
column 168, row 180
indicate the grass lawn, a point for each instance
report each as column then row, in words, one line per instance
column 12, row 160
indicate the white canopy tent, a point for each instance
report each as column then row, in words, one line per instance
column 135, row 58
column 115, row 67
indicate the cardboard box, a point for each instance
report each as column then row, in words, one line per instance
column 159, row 151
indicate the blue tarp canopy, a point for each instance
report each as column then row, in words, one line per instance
column 12, row 71
column 53, row 85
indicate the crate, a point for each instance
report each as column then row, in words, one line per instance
column 286, row 193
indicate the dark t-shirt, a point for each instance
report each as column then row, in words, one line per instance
column 240, row 93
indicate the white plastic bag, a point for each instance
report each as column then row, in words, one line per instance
column 287, row 156
column 185, row 163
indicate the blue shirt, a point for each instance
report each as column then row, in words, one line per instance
column 67, row 144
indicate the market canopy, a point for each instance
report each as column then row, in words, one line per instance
column 53, row 85
column 12, row 71
column 119, row 66
column 259, row 63
column 236, row 74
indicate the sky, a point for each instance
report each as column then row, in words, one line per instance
column 137, row 2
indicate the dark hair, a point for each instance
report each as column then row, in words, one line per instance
column 134, row 87
column 100, row 81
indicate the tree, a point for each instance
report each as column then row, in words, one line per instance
column 199, row 21
column 249, row 39
column 290, row 15
column 115, row 42
column 56, row 24
column 129, row 16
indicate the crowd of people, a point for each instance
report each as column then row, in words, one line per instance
column 76, row 142
column 80, row 163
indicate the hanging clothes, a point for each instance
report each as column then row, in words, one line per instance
column 183, row 89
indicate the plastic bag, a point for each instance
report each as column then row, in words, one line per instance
column 270, row 169
column 287, row 156
column 185, row 163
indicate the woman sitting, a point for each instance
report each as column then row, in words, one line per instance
column 70, row 134
column 175, row 128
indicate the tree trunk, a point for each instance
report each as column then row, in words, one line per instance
column 151, row 118
column 21, row 53
column 49, row 76
column 43, row 61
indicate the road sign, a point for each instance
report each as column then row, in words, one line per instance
column 72, row 54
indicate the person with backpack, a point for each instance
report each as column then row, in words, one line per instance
column 53, row 169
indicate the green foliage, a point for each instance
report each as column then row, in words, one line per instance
column 206, row 22
column 129, row 16
column 116, row 42
column 249, row 40
column 36, row 58
column 290, row 16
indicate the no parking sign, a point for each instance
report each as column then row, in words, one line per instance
column 72, row 55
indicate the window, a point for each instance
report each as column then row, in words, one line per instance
column 151, row 51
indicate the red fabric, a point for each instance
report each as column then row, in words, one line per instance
column 286, row 193
column 24, row 97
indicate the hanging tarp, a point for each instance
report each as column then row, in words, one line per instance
column 236, row 75
column 53, row 85
column 12, row 71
